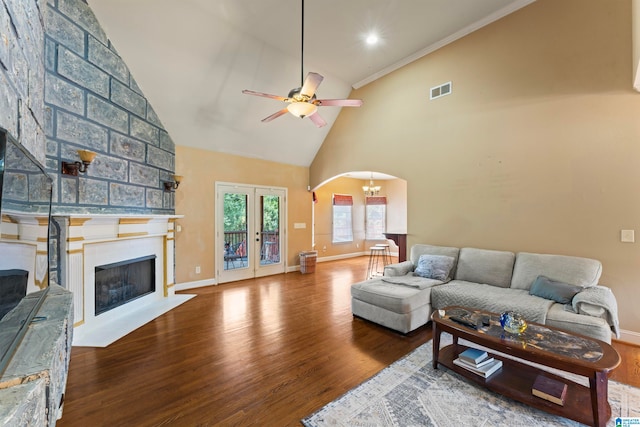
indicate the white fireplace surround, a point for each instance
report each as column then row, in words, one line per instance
column 88, row 241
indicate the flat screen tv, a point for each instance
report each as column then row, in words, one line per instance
column 25, row 208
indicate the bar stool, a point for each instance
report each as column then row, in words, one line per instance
column 387, row 253
column 376, row 257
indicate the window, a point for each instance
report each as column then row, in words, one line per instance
column 342, row 218
column 375, row 218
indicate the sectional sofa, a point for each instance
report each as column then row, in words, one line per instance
column 556, row 290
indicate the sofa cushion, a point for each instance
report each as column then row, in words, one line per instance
column 485, row 266
column 391, row 296
column 577, row 271
column 434, row 266
column 559, row 292
column 400, row 269
column 490, row 298
column 417, row 250
column 594, row 327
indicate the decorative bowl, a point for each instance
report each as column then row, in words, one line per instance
column 513, row 322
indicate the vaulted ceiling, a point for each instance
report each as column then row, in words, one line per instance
column 193, row 58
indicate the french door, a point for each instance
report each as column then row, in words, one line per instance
column 250, row 231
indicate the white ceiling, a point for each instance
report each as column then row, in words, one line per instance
column 192, row 59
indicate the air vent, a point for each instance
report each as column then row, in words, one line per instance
column 440, row 91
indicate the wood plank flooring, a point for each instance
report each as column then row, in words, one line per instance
column 265, row 352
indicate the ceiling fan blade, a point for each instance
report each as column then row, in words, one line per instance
column 338, row 102
column 275, row 115
column 311, row 83
column 265, row 95
column 317, row 119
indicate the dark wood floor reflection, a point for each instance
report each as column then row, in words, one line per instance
column 262, row 352
column 258, row 352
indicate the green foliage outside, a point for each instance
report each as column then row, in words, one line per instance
column 271, row 206
column 235, row 212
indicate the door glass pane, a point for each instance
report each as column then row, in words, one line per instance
column 235, row 231
column 270, row 229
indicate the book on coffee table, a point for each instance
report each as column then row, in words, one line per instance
column 484, row 362
column 473, row 355
column 549, row 389
column 484, row 371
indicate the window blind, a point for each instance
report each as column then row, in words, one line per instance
column 342, row 200
column 377, row 200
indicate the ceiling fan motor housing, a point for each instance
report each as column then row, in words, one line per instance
column 296, row 96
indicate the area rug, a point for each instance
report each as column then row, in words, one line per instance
column 411, row 393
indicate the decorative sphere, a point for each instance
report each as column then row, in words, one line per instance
column 513, row 322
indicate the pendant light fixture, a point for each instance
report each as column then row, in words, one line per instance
column 371, row 189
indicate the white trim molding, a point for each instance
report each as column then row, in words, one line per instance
column 195, row 284
column 629, row 336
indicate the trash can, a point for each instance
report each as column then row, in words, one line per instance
column 308, row 262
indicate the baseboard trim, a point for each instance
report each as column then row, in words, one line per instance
column 341, row 256
column 335, row 258
column 196, row 284
column 329, row 258
column 346, row 256
column 629, row 336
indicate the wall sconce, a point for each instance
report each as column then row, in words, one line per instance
column 72, row 168
column 172, row 185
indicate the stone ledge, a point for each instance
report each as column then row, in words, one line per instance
column 33, row 384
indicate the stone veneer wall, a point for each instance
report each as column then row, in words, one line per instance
column 22, row 73
column 64, row 87
column 93, row 102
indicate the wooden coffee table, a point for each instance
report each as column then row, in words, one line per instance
column 540, row 344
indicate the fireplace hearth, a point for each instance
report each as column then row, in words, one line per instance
column 122, row 282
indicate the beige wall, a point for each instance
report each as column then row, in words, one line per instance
column 536, row 149
column 195, row 244
column 396, row 205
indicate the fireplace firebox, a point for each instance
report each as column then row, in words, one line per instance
column 13, row 287
column 122, row 282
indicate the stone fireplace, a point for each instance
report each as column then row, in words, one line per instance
column 97, row 253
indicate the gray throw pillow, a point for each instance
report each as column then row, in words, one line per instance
column 435, row 267
column 557, row 291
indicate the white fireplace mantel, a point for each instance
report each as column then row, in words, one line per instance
column 90, row 240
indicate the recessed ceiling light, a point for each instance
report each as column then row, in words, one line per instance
column 372, row 39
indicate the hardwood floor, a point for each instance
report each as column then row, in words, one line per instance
column 266, row 352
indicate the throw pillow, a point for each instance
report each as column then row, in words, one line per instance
column 559, row 292
column 434, row 266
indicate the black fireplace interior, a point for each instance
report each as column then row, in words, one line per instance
column 122, row 282
column 13, row 287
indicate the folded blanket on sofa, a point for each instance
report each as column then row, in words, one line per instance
column 491, row 298
column 597, row 301
column 412, row 281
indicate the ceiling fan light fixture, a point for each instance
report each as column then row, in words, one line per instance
column 302, row 109
column 302, row 100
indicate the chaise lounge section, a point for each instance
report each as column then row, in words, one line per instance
column 556, row 290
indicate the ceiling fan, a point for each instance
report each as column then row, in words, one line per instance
column 302, row 100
